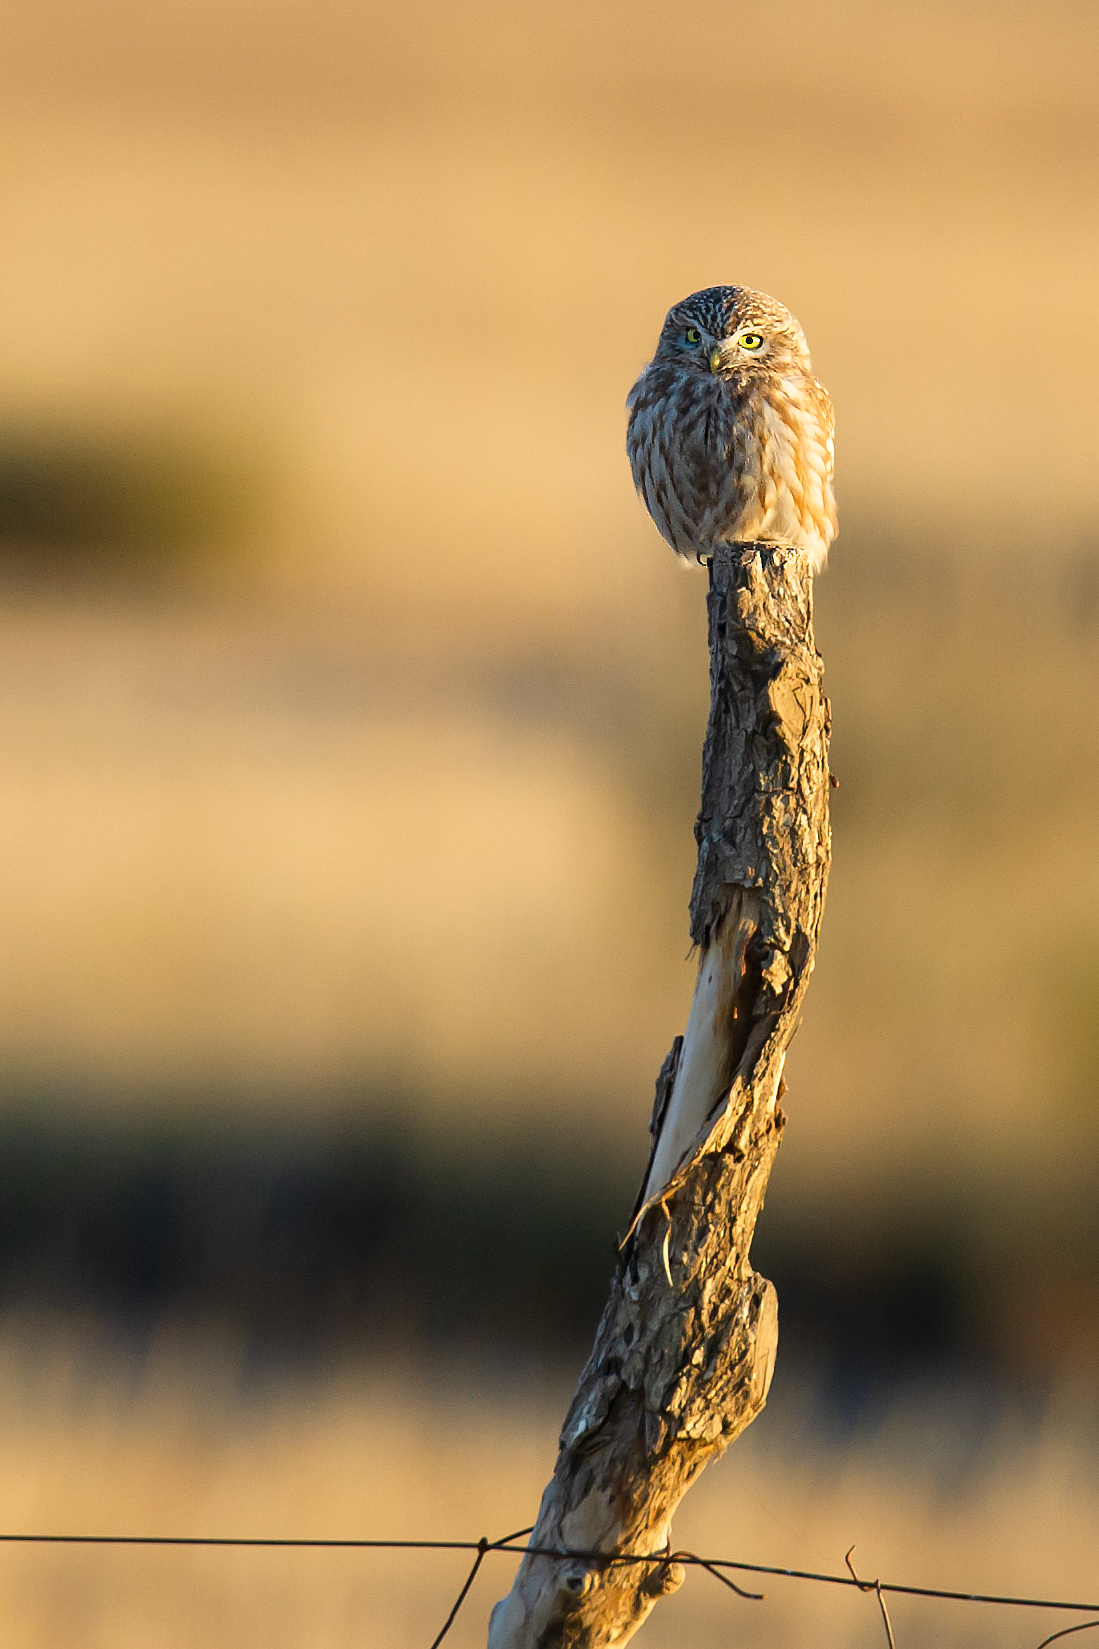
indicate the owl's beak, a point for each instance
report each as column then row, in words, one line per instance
column 717, row 358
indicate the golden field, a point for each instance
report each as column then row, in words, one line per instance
column 934, row 1496
column 441, row 703
column 350, row 712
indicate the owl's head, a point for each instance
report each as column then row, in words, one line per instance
column 732, row 331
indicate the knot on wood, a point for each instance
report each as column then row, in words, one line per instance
column 576, row 1582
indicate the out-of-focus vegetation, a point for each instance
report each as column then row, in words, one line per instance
column 968, row 1495
column 330, row 881
column 104, row 501
column 349, row 740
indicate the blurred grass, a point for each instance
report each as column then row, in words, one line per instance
column 945, row 1491
column 277, row 812
column 345, row 849
column 392, row 1224
column 275, row 808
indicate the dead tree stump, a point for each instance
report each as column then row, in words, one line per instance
column 683, row 1355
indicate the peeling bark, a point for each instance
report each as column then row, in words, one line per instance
column 684, row 1353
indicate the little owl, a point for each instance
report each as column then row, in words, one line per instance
column 730, row 434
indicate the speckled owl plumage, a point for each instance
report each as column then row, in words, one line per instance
column 730, row 440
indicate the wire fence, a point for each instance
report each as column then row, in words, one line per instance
column 508, row 1544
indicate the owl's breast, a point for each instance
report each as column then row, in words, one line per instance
column 697, row 446
column 678, row 443
column 762, row 459
column 709, row 437
column 712, row 452
column 721, row 455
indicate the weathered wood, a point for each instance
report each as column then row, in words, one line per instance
column 683, row 1355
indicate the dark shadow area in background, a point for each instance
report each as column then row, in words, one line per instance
column 382, row 1236
column 106, row 500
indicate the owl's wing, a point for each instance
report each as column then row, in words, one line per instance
column 828, row 419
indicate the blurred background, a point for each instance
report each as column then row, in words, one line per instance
column 350, row 718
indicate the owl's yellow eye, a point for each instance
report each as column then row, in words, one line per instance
column 750, row 340
column 694, row 336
